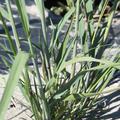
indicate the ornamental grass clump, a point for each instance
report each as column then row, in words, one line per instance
column 66, row 84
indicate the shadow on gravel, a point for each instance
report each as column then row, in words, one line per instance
column 112, row 111
column 108, row 109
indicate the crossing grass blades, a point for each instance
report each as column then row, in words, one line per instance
column 69, row 83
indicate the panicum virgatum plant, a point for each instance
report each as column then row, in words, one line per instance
column 73, row 71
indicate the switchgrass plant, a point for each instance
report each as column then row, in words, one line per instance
column 67, row 83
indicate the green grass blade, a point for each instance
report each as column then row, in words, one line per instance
column 110, row 18
column 99, row 21
column 86, row 59
column 24, row 18
column 23, row 15
column 10, row 40
column 76, row 33
column 62, row 24
column 63, row 48
column 45, row 45
column 15, row 32
column 4, row 13
column 41, row 9
column 16, row 70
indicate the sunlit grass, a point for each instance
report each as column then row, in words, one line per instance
column 60, row 90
